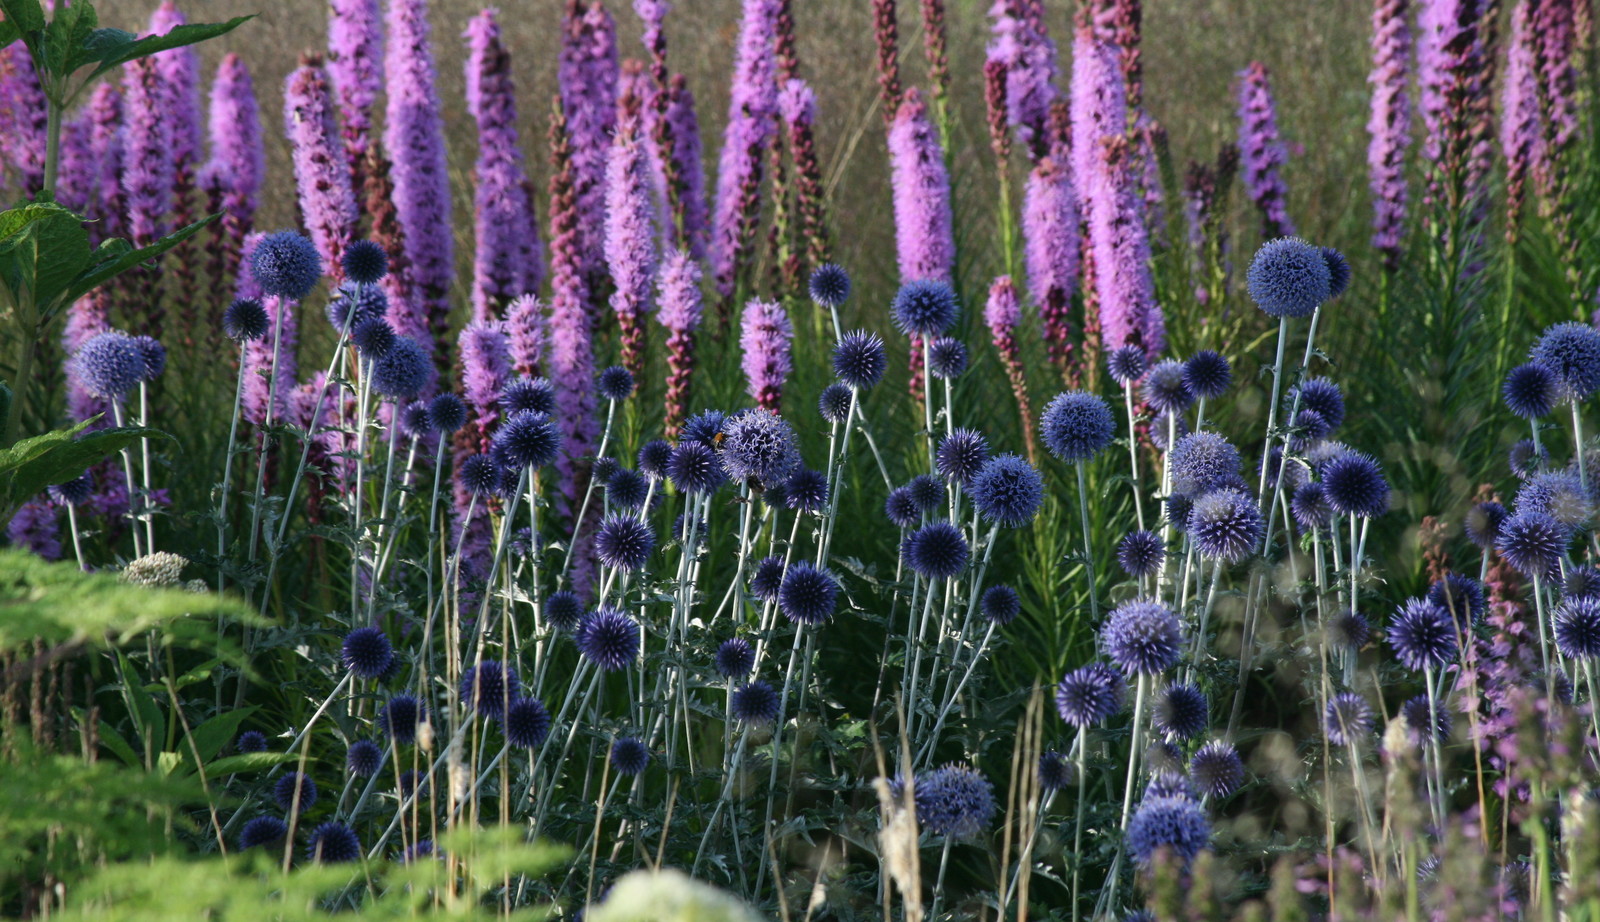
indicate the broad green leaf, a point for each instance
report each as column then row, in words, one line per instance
column 102, row 43
column 25, row 15
column 116, row 260
column 211, row 736
column 120, row 54
column 112, row 740
column 248, row 762
column 31, row 465
column 147, row 715
column 43, row 249
column 8, row 32
column 167, row 762
column 66, row 34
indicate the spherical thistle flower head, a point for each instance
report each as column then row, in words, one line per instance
column 446, row 413
column 808, row 594
column 373, row 338
column 1461, row 596
column 1140, row 553
column 526, row 723
column 1089, row 695
column 251, row 741
column 626, row 489
column 947, row 358
column 404, row 371
column 609, row 639
column 74, row 492
column 758, row 443
column 901, row 508
column 1527, row 458
column 776, row 495
column 629, row 756
column 1348, row 718
column 1306, row 428
column 830, row 285
column 1419, row 714
column 1007, row 490
column 1572, row 351
column 1217, row 769
column 1338, row 271
column 245, row 320
column 695, row 468
column 1310, row 507
column 1207, row 374
column 1531, row 390
column 961, row 455
column 603, row 469
column 400, row 717
column 954, row 801
column 859, row 359
column 526, row 440
column 510, row 483
column 1355, row 485
column 935, row 551
column 768, row 579
column 1142, row 637
column 1126, row 364
column 754, row 703
column 563, row 609
column 925, row 307
column 1055, row 772
column 365, row 262
column 1295, row 473
column 1581, row 582
column 294, row 790
column 807, row 490
column 1348, row 631
column 1174, row 823
column 367, row 652
column 286, row 265
column 703, row 426
column 488, row 687
column 1202, row 461
column 109, row 365
column 1321, row 396
column 1422, row 635
column 414, row 419
column 614, row 383
column 1000, row 605
column 927, row 492
column 654, row 456
column 418, row 850
column 333, row 843
column 153, row 355
column 734, row 658
column 1226, row 525
column 536, row 394
column 363, row 758
column 478, row 475
column 1181, row 711
column 1178, row 506
column 1289, row 277
column 1533, row 543
column 1166, row 389
column 262, row 830
column 1558, row 494
column 623, row 542
column 1577, row 628
column 834, row 403
column 413, row 782
column 352, row 304
column 1076, row 426
column 1482, row 523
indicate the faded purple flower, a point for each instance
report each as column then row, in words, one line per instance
column 327, row 202
column 1390, row 126
column 1261, row 153
column 1022, row 45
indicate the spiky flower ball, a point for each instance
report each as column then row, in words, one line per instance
column 363, row 758
column 489, row 687
column 251, row 741
column 629, row 756
column 1142, row 637
column 807, row 490
column 1423, row 635
column 1338, row 271
column 925, row 307
column 623, row 542
column 1203, row 461
column 352, row 305
column 859, row 359
column 1217, row 769
column 1461, row 596
column 1175, row 823
column 526, row 440
column 478, row 475
column 768, row 578
column 901, row 508
column 695, row 468
column 1482, row 523
column 609, row 639
column 954, row 801
column 626, row 489
column 961, row 455
column 808, row 594
column 830, row 285
column 563, row 609
column 947, row 358
column 734, row 658
column 833, row 404
column 526, row 723
column 446, row 413
column 1226, row 525
column 262, row 830
column 367, row 653
column 926, row 492
column 108, row 365
column 1126, row 364
column 1289, row 277
column 74, row 492
column 286, row 265
column 1181, row 711
column 1207, row 374
column 1178, row 506
column 1558, row 494
column 1419, row 714
column 1527, row 458
column 1531, row 390
column 1076, row 426
column 244, row 320
column 404, row 371
column 654, row 456
column 754, row 703
column 1055, row 772
column 1348, row 718
column 365, row 262
column 935, row 551
column 1310, row 507
column 536, row 394
column 154, row 357
column 1572, row 351
column 373, row 337
column 1007, row 490
column 1166, row 388
column 333, row 843
column 1089, row 695
column 400, row 717
column 614, row 383
column 759, row 444
column 1533, row 542
column 1140, row 553
column 1355, row 485
column 1000, row 605
column 1349, row 631
column 1577, row 628
column 295, row 792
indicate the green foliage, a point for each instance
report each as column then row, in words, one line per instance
column 33, row 464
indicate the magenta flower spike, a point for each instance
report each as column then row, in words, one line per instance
column 179, row 73
column 1023, row 46
column 764, row 336
column 630, row 233
column 1099, row 106
column 1389, row 126
column 1051, row 249
column 355, row 65
column 1001, row 314
column 587, row 76
column 571, row 356
column 688, row 167
column 485, row 371
column 105, row 141
column 23, row 119
column 147, row 180
column 1522, row 135
column 680, row 313
column 752, row 111
column 1555, row 31
column 1452, row 68
column 35, row 527
column 327, row 202
column 1129, row 314
column 77, row 171
column 1261, row 152
column 233, row 175
column 924, row 241
column 530, row 335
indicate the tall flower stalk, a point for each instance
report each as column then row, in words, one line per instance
column 587, row 77
column 752, row 125
column 680, row 302
column 630, row 232
column 234, row 172
column 327, row 201
column 355, row 64
column 1262, row 153
column 1389, row 126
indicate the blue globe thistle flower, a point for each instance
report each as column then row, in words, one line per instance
column 759, row 444
column 830, row 285
column 363, row 758
column 108, row 365
column 1168, row 781
column 154, row 356
column 654, row 456
column 1142, row 637
column 1322, row 397
column 1140, row 553
column 1558, row 494
column 925, row 307
column 1572, row 351
column 1422, row 635
column 768, row 579
column 961, row 455
column 1348, row 718
column 478, row 475
column 488, row 687
column 536, row 394
column 1175, row 823
column 1178, row 507
column 629, row 756
column 1581, row 582
column 1202, row 461
column 74, row 492
column 1349, row 631
column 1577, row 628
column 262, row 830
column 446, row 413
column 286, row 265
column 526, row 723
column 754, row 703
column 1089, row 695
column 695, row 468
column 1531, row 390
column 418, row 850
column 1007, row 490
column 373, row 338
column 365, row 263
column 609, row 639
column 1289, row 277
column 1355, row 485
column 1166, row 388
column 1076, row 426
column 954, row 801
column 1338, row 271
column 807, row 490
column 563, row 609
column 834, row 403
column 245, row 319
column 626, row 489
column 414, row 419
column 947, row 358
column 1295, row 473
column 1217, row 769
column 414, row 782
column 1419, row 715
column 703, row 427
column 525, row 440
column 1158, row 430
column 808, row 594
column 926, row 492
column 1226, row 525
column 614, row 383
column 1482, row 523
column 333, row 843
column 623, row 542
column 1305, row 429
column 859, row 359
column 367, row 652
column 1181, row 711
column 1533, row 542
column 1310, row 507
column 776, row 496
column 404, row 371
column 935, row 551
column 1326, row 451
column 351, row 305
column 1461, row 596
column 1207, row 374
column 295, row 790
column 1126, row 364
column 1527, row 458
column 734, row 658
column 251, row 741
column 399, row 718
column 901, row 508
column 1055, row 772
column 1000, row 605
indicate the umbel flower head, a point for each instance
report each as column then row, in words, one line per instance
column 1482, row 523
column 614, row 383
column 1140, row 553
column 830, row 285
column 367, row 653
column 1461, row 596
column 1349, row 631
column 1166, row 388
column 1216, row 769
column 363, row 758
column 251, row 741
column 446, row 413
column 629, row 756
column 1423, row 635
column 489, row 687
column 1338, row 271
column 935, row 551
column 954, row 801
column 244, row 320
column 1310, row 507
column 1207, row 374
column 754, row 703
column 833, row 404
column 1055, row 772
column 478, row 475
column 526, row 723
column 1531, row 390
column 1558, row 494
column 1180, row 711
column 623, row 542
column 900, row 508
column 286, row 265
column 1225, row 525
column 961, row 455
column 1289, row 277
column 759, row 444
column 947, row 358
column 925, row 307
column 1322, row 397
column 807, row 490
column 1577, row 628
column 859, row 359
column 109, row 365
column 626, row 489
column 1419, row 713
column 768, row 578
column 1007, row 490
column 808, row 594
column 1089, row 695
column 262, row 830
column 1347, row 719
column 1572, row 351
column 609, row 639
column 74, row 492
column 1142, row 637
column 535, row 394
column 1076, row 426
column 1175, row 823
column 295, row 792
column 373, row 337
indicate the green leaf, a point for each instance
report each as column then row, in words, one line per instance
column 8, row 32
column 102, row 43
column 25, row 15
column 66, row 36
column 211, row 736
column 115, row 257
column 43, row 249
column 33, row 464
column 147, row 714
column 121, row 53
column 112, row 740
column 248, row 762
column 5, row 405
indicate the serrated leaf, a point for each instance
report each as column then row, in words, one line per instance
column 43, row 249
column 111, row 261
column 180, row 36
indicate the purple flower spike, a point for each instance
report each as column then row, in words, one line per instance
column 507, row 261
column 630, row 233
column 179, row 73
column 587, row 76
column 1029, row 56
column 752, row 123
column 1129, row 314
column 23, row 120
column 1261, row 153
column 923, row 237
column 765, row 334
column 1099, row 106
column 680, row 313
column 327, row 201
column 1390, row 126
column 526, row 325
column 1051, row 250
column 355, row 63
column 232, row 177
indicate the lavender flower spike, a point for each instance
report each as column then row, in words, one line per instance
column 752, row 123
column 765, row 334
column 23, row 119
column 147, row 175
column 923, row 237
column 1522, row 137
column 1129, row 314
column 686, row 165
column 1099, row 107
column 1029, row 56
column 630, row 239
column 355, row 64
column 1261, row 152
column 238, row 162
column 526, row 325
column 587, row 76
column 327, row 202
column 1390, row 126
column 680, row 313
column 1051, row 250
column 571, row 346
